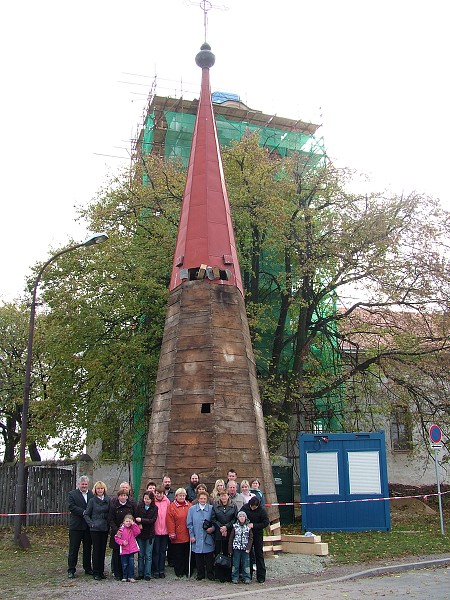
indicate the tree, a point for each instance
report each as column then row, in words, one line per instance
column 409, row 381
column 320, row 264
column 13, row 347
column 105, row 315
column 323, row 254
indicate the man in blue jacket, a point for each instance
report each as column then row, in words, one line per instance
column 78, row 529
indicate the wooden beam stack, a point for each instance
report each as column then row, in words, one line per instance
column 294, row 544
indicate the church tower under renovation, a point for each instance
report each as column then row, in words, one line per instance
column 206, row 412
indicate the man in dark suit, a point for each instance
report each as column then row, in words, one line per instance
column 78, row 528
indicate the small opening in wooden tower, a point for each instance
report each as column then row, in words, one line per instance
column 206, row 407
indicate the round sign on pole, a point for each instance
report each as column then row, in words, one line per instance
column 435, row 434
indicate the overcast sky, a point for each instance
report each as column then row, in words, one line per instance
column 76, row 76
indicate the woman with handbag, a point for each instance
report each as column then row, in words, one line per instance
column 201, row 530
column 224, row 515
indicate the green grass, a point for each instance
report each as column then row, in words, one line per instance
column 410, row 535
column 43, row 566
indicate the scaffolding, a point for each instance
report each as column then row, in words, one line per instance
column 169, row 124
column 167, row 131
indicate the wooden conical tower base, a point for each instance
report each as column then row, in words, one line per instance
column 206, row 413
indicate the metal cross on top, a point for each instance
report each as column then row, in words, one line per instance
column 206, row 6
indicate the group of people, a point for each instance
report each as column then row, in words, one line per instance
column 220, row 535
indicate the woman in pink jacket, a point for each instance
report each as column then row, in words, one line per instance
column 126, row 538
column 161, row 533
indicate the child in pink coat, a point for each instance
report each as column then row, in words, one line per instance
column 126, row 538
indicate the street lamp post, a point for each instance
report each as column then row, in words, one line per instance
column 96, row 238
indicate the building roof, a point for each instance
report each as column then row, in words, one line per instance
column 365, row 328
column 233, row 111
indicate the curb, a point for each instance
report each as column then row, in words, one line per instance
column 377, row 571
column 400, row 568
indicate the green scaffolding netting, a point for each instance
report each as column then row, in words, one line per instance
column 178, row 130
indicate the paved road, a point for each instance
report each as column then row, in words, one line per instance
column 424, row 584
column 430, row 581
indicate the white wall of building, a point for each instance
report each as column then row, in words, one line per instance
column 109, row 471
column 416, row 468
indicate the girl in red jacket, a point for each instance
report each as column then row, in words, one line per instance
column 126, row 538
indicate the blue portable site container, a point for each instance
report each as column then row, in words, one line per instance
column 343, row 482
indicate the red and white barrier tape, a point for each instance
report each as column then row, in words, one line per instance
column 424, row 496
column 39, row 514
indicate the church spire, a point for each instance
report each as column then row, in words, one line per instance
column 206, row 410
column 206, row 247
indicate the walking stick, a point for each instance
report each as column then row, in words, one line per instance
column 190, row 554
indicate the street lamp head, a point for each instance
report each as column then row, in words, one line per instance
column 95, row 238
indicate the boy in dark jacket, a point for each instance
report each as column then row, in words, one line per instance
column 240, row 544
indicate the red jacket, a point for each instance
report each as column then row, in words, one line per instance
column 176, row 522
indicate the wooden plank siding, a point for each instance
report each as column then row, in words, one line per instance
column 206, row 412
column 47, row 490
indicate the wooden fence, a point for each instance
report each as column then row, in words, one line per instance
column 47, row 488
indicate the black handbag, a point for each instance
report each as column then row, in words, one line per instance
column 223, row 561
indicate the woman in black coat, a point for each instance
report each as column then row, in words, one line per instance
column 224, row 515
column 96, row 516
column 146, row 515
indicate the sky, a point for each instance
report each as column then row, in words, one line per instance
column 76, row 77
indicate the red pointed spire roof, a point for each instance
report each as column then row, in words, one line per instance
column 205, row 248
